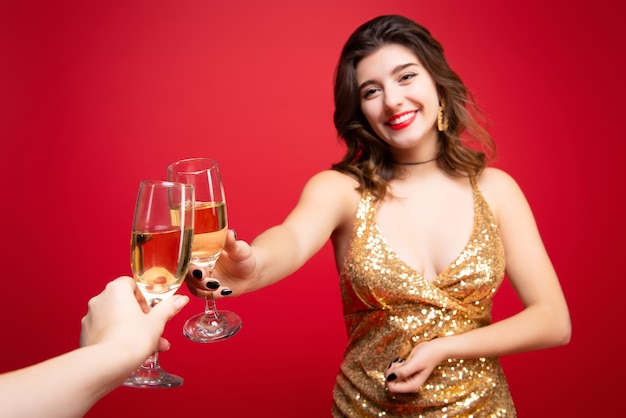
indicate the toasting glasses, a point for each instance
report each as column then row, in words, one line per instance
column 210, row 231
column 160, row 249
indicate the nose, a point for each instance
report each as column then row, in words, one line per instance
column 393, row 97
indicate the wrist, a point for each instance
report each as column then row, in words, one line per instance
column 123, row 355
column 439, row 348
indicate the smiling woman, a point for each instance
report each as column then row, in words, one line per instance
column 421, row 248
column 119, row 90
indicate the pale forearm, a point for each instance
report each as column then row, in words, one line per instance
column 326, row 202
column 278, row 255
column 64, row 386
column 534, row 328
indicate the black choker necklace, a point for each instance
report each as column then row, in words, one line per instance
column 417, row 163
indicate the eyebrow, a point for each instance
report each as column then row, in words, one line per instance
column 394, row 71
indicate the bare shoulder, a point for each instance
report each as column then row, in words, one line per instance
column 333, row 184
column 336, row 190
column 340, row 198
column 500, row 189
column 334, row 176
column 495, row 177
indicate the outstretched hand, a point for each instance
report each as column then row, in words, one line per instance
column 119, row 315
column 231, row 275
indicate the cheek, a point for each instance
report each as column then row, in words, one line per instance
column 428, row 106
column 433, row 110
column 371, row 113
column 432, row 102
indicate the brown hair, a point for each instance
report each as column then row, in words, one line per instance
column 368, row 158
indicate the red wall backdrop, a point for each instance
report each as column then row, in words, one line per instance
column 96, row 96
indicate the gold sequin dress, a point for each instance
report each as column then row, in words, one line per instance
column 389, row 308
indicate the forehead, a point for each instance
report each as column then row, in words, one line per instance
column 384, row 61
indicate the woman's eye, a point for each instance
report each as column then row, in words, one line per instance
column 369, row 93
column 407, row 76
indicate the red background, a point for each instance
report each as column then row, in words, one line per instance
column 96, row 96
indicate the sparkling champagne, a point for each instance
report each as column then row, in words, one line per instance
column 210, row 231
column 159, row 261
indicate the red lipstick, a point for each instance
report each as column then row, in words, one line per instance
column 401, row 120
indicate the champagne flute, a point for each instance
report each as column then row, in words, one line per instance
column 160, row 244
column 210, row 231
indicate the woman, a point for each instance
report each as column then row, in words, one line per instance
column 423, row 234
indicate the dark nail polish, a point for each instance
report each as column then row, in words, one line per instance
column 391, row 377
column 226, row 292
column 213, row 285
column 393, row 361
column 235, row 234
column 197, row 274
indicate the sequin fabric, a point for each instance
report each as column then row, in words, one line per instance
column 389, row 308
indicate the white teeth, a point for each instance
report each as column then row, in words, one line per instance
column 402, row 118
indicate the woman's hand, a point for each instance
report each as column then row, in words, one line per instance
column 407, row 376
column 232, row 274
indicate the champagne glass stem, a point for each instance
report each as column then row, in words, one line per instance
column 209, row 307
column 152, row 362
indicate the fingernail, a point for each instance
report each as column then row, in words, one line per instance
column 226, row 292
column 181, row 301
column 391, row 377
column 235, row 234
column 197, row 274
column 393, row 361
column 213, row 285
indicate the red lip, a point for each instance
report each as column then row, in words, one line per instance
column 408, row 118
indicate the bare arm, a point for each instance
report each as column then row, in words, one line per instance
column 544, row 322
column 327, row 200
column 324, row 204
column 116, row 337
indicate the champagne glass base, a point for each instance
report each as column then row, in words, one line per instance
column 211, row 327
column 152, row 378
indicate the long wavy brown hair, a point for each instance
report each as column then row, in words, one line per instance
column 465, row 146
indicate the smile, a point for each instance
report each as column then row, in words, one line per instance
column 402, row 120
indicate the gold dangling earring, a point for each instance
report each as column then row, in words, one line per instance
column 442, row 121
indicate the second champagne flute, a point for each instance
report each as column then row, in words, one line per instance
column 210, row 231
column 160, row 250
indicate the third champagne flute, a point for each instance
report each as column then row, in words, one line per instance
column 210, row 231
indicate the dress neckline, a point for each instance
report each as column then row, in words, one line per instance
column 440, row 276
